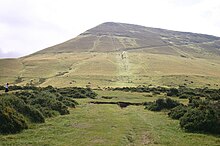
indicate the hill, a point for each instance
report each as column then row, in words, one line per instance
column 111, row 37
column 118, row 54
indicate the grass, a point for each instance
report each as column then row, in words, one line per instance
column 91, row 124
column 109, row 69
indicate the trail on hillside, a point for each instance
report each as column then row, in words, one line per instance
column 124, row 68
column 96, row 43
column 182, row 53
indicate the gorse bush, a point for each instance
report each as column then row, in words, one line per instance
column 69, row 102
column 203, row 115
column 162, row 103
column 47, row 103
column 72, row 92
column 198, row 116
column 196, row 102
column 155, row 90
column 177, row 112
column 33, row 104
column 201, row 120
column 48, row 113
column 11, row 121
column 75, row 92
column 184, row 96
column 182, row 91
column 173, row 92
column 34, row 115
column 21, row 107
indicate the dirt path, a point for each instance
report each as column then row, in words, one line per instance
column 124, row 68
column 96, row 43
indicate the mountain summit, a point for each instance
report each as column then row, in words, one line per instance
column 111, row 37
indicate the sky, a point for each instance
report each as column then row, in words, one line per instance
column 27, row 26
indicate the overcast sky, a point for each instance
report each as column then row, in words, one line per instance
column 27, row 26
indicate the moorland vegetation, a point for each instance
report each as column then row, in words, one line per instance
column 29, row 104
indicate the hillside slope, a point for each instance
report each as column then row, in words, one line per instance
column 110, row 37
column 118, row 54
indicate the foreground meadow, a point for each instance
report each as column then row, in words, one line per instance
column 107, row 124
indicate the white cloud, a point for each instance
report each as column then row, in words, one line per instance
column 4, row 54
column 27, row 25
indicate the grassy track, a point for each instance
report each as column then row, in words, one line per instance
column 94, row 125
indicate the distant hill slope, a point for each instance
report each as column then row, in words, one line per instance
column 118, row 54
column 110, row 37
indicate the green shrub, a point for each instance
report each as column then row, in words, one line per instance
column 214, row 96
column 177, row 112
column 48, row 101
column 69, row 102
column 25, row 95
column 155, row 92
column 75, row 92
column 173, row 92
column 195, row 102
column 2, row 87
column 50, row 89
column 184, row 96
column 21, row 107
column 48, row 113
column 201, row 120
column 163, row 103
column 11, row 121
column 34, row 115
column 147, row 89
column 36, row 104
column 77, row 95
column 15, row 87
column 60, row 107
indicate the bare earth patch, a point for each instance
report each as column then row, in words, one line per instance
column 145, row 139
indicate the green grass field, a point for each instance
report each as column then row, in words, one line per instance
column 104, row 124
column 109, row 69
